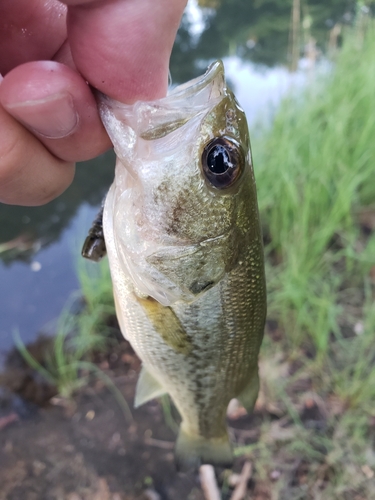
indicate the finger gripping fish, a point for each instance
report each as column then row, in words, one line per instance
column 183, row 238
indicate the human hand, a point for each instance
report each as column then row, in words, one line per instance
column 48, row 51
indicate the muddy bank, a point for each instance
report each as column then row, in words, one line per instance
column 86, row 447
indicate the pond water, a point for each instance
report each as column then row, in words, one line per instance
column 40, row 246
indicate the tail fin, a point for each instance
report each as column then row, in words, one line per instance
column 193, row 451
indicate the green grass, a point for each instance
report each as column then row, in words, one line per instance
column 68, row 364
column 78, row 336
column 315, row 172
column 96, row 288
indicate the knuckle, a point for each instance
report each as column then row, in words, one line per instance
column 29, row 174
column 11, row 165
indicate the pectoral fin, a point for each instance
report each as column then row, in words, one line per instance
column 249, row 393
column 147, row 388
column 167, row 325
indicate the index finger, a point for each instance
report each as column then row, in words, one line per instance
column 123, row 47
column 30, row 30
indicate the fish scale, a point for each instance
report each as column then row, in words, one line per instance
column 184, row 243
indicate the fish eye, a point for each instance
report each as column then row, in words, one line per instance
column 223, row 161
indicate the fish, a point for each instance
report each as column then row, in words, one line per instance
column 184, row 243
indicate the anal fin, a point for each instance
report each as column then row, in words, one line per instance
column 147, row 388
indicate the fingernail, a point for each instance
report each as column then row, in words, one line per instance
column 53, row 117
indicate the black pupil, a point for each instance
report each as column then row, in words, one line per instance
column 218, row 160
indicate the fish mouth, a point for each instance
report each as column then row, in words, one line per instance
column 152, row 120
column 214, row 75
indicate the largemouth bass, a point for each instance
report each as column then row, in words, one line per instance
column 183, row 237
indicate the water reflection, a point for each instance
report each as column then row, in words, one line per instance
column 33, row 293
column 39, row 247
column 26, row 229
column 255, row 30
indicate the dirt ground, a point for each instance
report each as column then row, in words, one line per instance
column 88, row 448
column 85, row 448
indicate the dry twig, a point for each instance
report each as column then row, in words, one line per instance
column 208, row 482
column 158, row 443
column 240, row 490
column 9, row 419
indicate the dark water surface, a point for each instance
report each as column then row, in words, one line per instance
column 39, row 247
column 38, row 270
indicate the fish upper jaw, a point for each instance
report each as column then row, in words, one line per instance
column 126, row 124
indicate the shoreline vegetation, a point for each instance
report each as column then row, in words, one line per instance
column 313, row 432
